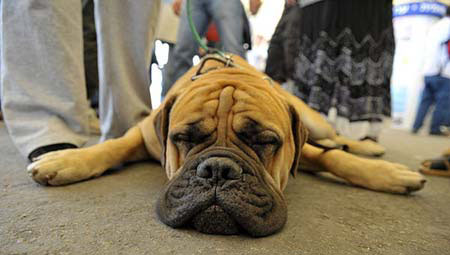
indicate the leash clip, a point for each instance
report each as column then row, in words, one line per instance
column 268, row 79
column 225, row 60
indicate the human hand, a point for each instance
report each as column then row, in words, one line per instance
column 176, row 7
column 254, row 6
column 291, row 2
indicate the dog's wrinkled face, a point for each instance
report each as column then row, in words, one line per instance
column 228, row 151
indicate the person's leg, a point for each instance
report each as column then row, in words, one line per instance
column 186, row 47
column 125, row 31
column 229, row 19
column 90, row 52
column 43, row 86
column 426, row 101
column 442, row 108
column 1, row 115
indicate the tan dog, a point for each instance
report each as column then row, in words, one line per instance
column 228, row 139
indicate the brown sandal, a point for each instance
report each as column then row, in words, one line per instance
column 438, row 167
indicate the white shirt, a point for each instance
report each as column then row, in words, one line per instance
column 436, row 53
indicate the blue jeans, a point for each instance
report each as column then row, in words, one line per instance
column 228, row 17
column 436, row 91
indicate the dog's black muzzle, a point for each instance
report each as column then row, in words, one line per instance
column 222, row 191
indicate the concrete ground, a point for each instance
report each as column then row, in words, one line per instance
column 115, row 214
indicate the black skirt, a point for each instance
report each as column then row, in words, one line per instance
column 338, row 54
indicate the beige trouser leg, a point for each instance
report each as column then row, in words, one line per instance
column 125, row 33
column 42, row 75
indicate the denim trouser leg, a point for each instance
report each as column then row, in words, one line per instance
column 425, row 102
column 186, row 47
column 442, row 108
column 228, row 16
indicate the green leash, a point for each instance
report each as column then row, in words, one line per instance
column 220, row 55
column 197, row 36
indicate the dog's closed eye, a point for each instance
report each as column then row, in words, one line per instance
column 264, row 143
column 267, row 138
column 187, row 140
column 182, row 137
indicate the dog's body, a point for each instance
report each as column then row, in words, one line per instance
column 228, row 141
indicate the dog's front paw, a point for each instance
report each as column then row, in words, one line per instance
column 367, row 148
column 392, row 177
column 64, row 167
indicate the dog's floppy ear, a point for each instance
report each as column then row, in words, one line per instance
column 300, row 134
column 161, row 123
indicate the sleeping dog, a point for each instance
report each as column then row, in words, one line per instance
column 228, row 138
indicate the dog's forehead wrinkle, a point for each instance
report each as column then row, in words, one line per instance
column 223, row 110
column 200, row 121
column 195, row 133
column 195, row 121
column 226, row 99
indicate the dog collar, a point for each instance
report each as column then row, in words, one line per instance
column 226, row 60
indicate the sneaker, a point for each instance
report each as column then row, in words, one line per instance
column 439, row 133
column 48, row 148
column 370, row 138
column 445, row 130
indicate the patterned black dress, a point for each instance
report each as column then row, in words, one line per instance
column 338, row 53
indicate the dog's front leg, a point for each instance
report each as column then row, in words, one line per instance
column 73, row 165
column 373, row 174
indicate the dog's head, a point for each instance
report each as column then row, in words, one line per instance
column 229, row 142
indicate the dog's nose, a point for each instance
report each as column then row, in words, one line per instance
column 219, row 168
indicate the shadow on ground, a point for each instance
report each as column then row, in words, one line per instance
column 115, row 214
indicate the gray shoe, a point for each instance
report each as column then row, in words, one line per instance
column 445, row 130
